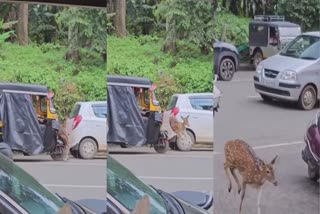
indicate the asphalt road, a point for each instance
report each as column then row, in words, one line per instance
column 272, row 129
column 75, row 179
column 172, row 171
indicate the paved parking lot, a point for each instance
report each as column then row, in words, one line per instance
column 75, row 179
column 172, row 171
column 272, row 129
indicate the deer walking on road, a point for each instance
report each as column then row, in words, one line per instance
column 254, row 171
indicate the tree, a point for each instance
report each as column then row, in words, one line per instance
column 304, row 12
column 120, row 18
column 22, row 27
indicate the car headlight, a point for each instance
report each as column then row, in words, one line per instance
column 259, row 69
column 288, row 75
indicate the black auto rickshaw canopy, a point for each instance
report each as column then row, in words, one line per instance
column 139, row 82
column 20, row 126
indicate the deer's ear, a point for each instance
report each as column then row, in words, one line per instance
column 274, row 160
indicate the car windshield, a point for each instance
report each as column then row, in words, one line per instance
column 25, row 190
column 303, row 47
column 126, row 188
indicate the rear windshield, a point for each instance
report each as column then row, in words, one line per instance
column 172, row 103
column 75, row 111
column 100, row 110
column 202, row 103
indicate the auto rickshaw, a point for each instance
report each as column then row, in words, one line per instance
column 28, row 121
column 134, row 114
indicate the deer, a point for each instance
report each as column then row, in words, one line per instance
column 254, row 171
column 184, row 141
column 142, row 206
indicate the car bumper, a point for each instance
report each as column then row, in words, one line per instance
column 280, row 90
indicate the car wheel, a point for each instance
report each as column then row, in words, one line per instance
column 88, row 148
column 227, row 69
column 266, row 98
column 185, row 141
column 313, row 173
column 308, row 98
column 74, row 153
column 257, row 58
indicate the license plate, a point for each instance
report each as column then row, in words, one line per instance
column 268, row 82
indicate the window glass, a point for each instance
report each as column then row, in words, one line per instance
column 75, row 110
column 127, row 189
column 100, row 111
column 304, row 47
column 25, row 190
column 201, row 103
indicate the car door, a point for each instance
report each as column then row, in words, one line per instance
column 99, row 122
column 201, row 117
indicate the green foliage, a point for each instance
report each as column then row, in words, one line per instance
column 45, row 64
column 234, row 29
column 304, row 12
column 87, row 28
column 188, row 71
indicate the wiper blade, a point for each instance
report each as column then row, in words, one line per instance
column 75, row 207
column 308, row 57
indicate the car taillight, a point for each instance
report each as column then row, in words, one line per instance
column 76, row 120
column 175, row 111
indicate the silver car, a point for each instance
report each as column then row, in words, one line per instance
column 87, row 129
column 293, row 74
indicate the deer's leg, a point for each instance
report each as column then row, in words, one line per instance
column 259, row 199
column 226, row 167
column 242, row 195
column 232, row 170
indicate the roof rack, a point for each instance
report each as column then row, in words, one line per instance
column 269, row 18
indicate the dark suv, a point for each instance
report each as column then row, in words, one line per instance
column 226, row 60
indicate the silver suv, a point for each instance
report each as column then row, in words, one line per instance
column 293, row 74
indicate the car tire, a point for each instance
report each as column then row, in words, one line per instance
column 313, row 173
column 74, row 153
column 88, row 148
column 266, row 98
column 227, row 69
column 308, row 98
column 257, row 58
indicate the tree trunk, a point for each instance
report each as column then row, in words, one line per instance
column 22, row 27
column 170, row 45
column 120, row 18
column 73, row 49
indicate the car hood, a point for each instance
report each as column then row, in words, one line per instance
column 98, row 206
column 191, row 209
column 225, row 45
column 281, row 63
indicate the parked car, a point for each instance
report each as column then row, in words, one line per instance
column 200, row 107
column 293, row 74
column 23, row 194
column 311, row 152
column 87, row 129
column 226, row 60
column 124, row 189
column 268, row 35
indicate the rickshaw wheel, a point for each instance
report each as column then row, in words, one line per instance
column 161, row 146
column 59, row 153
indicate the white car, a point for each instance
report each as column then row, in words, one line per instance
column 200, row 107
column 87, row 129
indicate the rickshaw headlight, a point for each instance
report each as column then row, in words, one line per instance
column 288, row 75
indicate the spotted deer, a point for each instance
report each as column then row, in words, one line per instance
column 142, row 206
column 178, row 127
column 254, row 171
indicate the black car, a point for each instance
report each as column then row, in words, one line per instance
column 124, row 189
column 226, row 60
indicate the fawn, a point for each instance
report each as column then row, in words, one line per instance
column 142, row 206
column 178, row 127
column 254, row 171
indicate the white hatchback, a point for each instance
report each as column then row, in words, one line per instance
column 87, row 129
column 200, row 107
